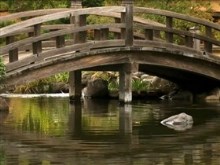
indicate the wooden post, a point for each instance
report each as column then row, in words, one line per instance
column 128, row 22
column 196, row 42
column 60, row 41
column 76, row 4
column 149, row 34
column 169, row 24
column 208, row 45
column 80, row 37
column 75, row 86
column 125, row 82
column 13, row 54
column 37, row 46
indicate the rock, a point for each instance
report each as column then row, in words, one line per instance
column 59, row 87
column 214, row 95
column 163, row 85
column 180, row 122
column 3, row 104
column 96, row 88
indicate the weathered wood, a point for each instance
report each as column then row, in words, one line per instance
column 53, row 34
column 104, row 34
column 80, row 21
column 76, row 4
column 60, row 41
column 149, row 35
column 37, row 46
column 169, row 25
column 177, row 16
column 97, row 34
column 31, row 13
column 61, row 52
column 55, row 16
column 125, row 82
column 13, row 53
column 129, row 36
column 116, row 34
column 123, row 30
column 207, row 44
column 75, row 86
column 189, row 41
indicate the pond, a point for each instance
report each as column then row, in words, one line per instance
column 50, row 130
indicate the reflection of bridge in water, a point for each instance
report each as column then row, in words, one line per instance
column 37, row 47
column 80, row 140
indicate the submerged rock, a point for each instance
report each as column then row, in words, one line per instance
column 180, row 122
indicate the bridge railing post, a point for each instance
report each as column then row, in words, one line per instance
column 196, row 42
column 13, row 54
column 169, row 25
column 128, row 19
column 80, row 37
column 37, row 46
column 208, row 45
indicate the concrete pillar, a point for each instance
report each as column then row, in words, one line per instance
column 125, row 82
column 125, row 119
column 76, row 4
column 75, row 86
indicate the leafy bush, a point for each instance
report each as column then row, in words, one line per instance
column 2, row 70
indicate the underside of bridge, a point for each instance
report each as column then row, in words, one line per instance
column 192, row 72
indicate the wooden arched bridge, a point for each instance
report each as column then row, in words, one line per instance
column 38, row 45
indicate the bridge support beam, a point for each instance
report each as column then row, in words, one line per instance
column 75, row 85
column 125, row 82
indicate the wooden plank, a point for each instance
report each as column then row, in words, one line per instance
column 61, row 52
column 53, row 34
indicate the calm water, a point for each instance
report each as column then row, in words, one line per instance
column 51, row 131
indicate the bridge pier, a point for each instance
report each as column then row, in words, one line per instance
column 125, row 82
column 75, row 85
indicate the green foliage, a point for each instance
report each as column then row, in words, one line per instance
column 3, row 6
column 139, row 85
column 43, row 85
column 2, row 70
column 113, row 86
column 23, row 5
column 92, row 3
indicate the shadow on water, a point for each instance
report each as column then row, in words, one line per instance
column 105, row 132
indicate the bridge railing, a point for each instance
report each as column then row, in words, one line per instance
column 36, row 36
column 50, row 40
column 203, row 37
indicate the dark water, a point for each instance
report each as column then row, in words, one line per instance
column 51, row 131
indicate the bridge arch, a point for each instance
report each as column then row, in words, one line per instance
column 125, row 41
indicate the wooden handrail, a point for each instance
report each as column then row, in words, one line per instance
column 59, row 15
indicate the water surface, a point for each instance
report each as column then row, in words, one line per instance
column 47, row 130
